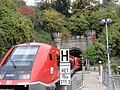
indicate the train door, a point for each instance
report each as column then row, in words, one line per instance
column 53, row 62
column 58, row 61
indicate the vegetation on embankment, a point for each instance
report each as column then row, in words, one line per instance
column 20, row 23
column 115, row 62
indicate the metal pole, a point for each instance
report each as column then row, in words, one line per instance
column 65, row 88
column 106, row 22
column 86, row 65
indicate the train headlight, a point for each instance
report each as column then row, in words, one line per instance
column 24, row 76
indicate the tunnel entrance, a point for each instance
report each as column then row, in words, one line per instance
column 75, row 52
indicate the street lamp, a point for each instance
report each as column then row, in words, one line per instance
column 106, row 22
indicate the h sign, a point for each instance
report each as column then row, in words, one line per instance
column 64, row 55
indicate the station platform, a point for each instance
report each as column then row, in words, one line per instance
column 86, row 80
column 91, row 81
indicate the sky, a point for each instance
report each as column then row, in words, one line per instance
column 30, row 2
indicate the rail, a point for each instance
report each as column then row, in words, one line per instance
column 114, row 81
column 77, row 81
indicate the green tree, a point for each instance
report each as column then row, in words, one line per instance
column 81, row 4
column 78, row 24
column 80, row 21
column 100, row 50
column 14, row 28
column 62, row 6
column 106, row 1
column 96, row 17
column 8, row 3
column 40, row 33
column 90, row 53
column 37, row 20
column 114, row 40
column 43, row 5
column 52, row 21
column 19, row 3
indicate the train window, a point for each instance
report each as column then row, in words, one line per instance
column 50, row 55
column 22, row 56
column 24, row 53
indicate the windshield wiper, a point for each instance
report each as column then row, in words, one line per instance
column 13, row 64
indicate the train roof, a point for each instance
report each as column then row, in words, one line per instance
column 42, row 45
column 34, row 43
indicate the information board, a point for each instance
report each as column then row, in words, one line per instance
column 64, row 67
column 64, row 55
column 65, row 79
column 65, row 72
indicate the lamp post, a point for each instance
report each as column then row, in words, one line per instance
column 106, row 22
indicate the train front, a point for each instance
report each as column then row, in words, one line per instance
column 16, row 67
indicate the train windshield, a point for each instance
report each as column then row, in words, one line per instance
column 19, row 62
column 22, row 54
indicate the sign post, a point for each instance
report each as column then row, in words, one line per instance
column 65, row 72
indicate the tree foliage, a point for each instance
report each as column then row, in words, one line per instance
column 55, row 17
column 80, row 21
column 78, row 24
column 8, row 4
column 19, row 3
column 52, row 20
column 14, row 28
column 40, row 34
column 114, row 40
column 26, row 11
column 89, row 53
column 82, row 4
column 62, row 6
column 43, row 5
column 101, row 51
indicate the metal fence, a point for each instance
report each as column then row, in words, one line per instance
column 77, row 82
column 114, row 81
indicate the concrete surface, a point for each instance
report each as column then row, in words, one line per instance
column 91, row 81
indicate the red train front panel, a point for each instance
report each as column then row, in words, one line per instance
column 29, row 63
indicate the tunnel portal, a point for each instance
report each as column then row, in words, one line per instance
column 75, row 52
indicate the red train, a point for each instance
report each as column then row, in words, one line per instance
column 32, row 66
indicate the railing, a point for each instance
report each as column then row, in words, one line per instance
column 116, row 80
column 77, row 82
column 114, row 83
